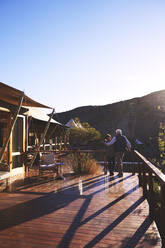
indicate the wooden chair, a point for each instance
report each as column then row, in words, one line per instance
column 48, row 162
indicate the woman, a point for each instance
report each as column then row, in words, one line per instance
column 110, row 156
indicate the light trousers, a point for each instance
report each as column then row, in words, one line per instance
column 119, row 161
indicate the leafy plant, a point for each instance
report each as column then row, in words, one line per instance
column 83, row 136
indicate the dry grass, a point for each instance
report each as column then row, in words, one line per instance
column 83, row 164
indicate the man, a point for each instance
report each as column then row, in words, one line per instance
column 110, row 156
column 121, row 144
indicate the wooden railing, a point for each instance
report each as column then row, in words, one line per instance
column 152, row 180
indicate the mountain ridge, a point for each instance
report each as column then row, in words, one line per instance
column 139, row 117
column 150, row 94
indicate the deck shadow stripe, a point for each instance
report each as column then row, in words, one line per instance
column 108, row 229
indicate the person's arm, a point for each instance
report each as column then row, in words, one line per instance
column 128, row 143
column 111, row 142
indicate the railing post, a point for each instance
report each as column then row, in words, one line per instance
column 162, row 213
column 144, row 181
column 79, row 160
column 139, row 168
column 140, row 174
column 133, row 160
column 105, row 164
column 150, row 172
column 151, row 196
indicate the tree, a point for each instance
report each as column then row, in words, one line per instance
column 161, row 144
column 84, row 136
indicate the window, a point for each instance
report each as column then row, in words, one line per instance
column 2, row 133
column 17, row 137
column 17, row 142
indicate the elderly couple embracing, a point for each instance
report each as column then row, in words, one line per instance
column 115, row 149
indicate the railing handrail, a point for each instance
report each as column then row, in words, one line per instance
column 147, row 175
column 86, row 150
column 152, row 168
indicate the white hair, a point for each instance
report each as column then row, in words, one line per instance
column 119, row 131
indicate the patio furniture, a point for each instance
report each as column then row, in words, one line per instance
column 49, row 163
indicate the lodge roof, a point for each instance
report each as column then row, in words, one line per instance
column 12, row 95
column 40, row 115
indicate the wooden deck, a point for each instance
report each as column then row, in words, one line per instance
column 96, row 211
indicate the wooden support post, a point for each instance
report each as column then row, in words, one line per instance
column 50, row 143
column 60, row 144
column 64, row 140
column 68, row 145
column 42, row 139
column 26, row 134
column 52, row 132
column 162, row 213
column 10, row 155
column 11, row 127
column 55, row 144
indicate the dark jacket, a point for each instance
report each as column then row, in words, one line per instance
column 121, row 144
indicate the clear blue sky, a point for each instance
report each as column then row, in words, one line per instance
column 72, row 53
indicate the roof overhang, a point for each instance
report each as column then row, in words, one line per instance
column 4, row 109
column 40, row 115
column 11, row 95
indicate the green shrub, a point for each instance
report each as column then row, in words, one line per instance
column 84, row 135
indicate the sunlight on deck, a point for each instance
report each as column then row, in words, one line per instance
column 90, row 211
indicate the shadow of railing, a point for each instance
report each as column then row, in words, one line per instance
column 141, row 231
column 108, row 229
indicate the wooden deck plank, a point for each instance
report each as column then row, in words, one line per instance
column 89, row 211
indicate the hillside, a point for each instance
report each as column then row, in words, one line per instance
column 139, row 118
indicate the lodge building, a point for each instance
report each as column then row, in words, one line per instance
column 23, row 126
